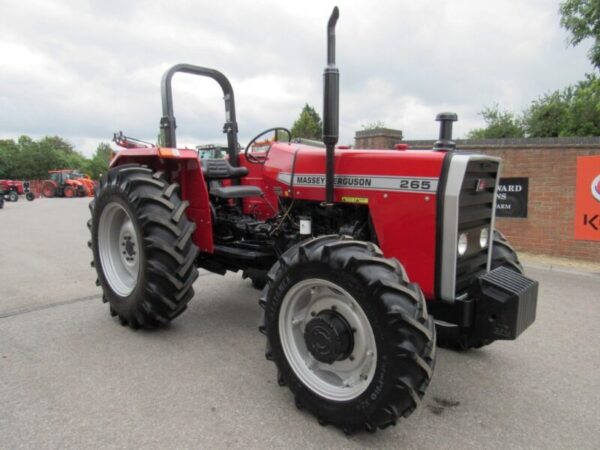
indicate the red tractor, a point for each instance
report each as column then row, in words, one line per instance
column 65, row 183
column 363, row 254
column 11, row 189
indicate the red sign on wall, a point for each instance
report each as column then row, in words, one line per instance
column 587, row 206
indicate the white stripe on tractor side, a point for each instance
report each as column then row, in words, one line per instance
column 422, row 185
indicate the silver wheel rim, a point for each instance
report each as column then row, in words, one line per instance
column 118, row 248
column 342, row 380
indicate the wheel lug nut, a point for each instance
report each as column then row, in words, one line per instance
column 313, row 314
column 334, row 308
column 351, row 358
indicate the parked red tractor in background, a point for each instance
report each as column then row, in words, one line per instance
column 11, row 189
column 67, row 183
column 333, row 235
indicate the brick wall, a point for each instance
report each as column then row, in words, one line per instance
column 550, row 165
column 377, row 138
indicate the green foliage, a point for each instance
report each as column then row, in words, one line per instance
column 547, row 116
column 499, row 124
column 574, row 111
column 308, row 125
column 582, row 19
column 29, row 159
column 98, row 165
column 373, row 125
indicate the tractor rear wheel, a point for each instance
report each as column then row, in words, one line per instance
column 69, row 192
column 142, row 246
column 13, row 196
column 48, row 190
column 348, row 333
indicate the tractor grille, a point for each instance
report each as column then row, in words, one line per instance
column 475, row 212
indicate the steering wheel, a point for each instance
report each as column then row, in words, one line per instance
column 251, row 158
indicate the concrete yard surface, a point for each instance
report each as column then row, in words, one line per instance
column 72, row 377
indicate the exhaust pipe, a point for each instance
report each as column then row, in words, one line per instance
column 445, row 140
column 331, row 106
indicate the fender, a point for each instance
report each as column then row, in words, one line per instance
column 185, row 169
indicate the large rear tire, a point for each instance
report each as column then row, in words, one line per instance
column 48, row 190
column 13, row 196
column 142, row 246
column 348, row 333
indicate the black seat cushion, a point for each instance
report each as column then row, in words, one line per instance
column 220, row 169
column 236, row 191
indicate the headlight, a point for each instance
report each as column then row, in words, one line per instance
column 484, row 237
column 463, row 241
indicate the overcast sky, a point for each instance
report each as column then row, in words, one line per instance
column 84, row 69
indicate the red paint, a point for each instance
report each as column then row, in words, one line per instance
column 405, row 223
column 185, row 170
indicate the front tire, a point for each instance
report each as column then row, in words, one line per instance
column 29, row 196
column 69, row 192
column 348, row 333
column 504, row 255
column 142, row 246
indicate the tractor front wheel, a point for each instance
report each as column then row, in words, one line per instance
column 69, row 192
column 142, row 246
column 29, row 196
column 348, row 333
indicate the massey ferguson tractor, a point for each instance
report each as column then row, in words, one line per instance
column 364, row 255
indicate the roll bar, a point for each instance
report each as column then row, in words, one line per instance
column 167, row 122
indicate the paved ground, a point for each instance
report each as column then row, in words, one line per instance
column 71, row 377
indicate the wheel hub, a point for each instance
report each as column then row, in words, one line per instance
column 118, row 249
column 328, row 337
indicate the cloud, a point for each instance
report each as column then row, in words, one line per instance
column 83, row 69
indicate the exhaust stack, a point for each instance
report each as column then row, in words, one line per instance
column 331, row 106
column 445, row 140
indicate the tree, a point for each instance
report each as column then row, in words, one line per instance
column 308, row 125
column 29, row 159
column 9, row 154
column 98, row 165
column 582, row 19
column 547, row 116
column 573, row 111
column 499, row 124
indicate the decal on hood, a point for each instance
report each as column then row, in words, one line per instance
column 381, row 183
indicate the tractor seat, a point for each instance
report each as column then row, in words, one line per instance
column 220, row 169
